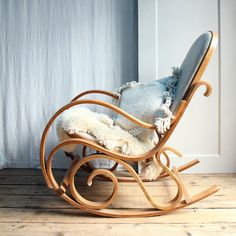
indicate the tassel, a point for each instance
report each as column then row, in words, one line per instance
column 176, row 71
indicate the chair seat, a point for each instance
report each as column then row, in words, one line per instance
column 84, row 123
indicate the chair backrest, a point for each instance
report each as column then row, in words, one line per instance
column 194, row 65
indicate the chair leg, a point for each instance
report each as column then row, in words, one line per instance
column 65, row 182
column 186, row 196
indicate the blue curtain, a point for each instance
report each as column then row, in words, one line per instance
column 51, row 50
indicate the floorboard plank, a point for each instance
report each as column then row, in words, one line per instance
column 28, row 207
column 102, row 190
column 52, row 202
column 53, row 229
column 189, row 179
column 184, row 216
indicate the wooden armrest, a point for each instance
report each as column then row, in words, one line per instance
column 112, row 107
column 104, row 92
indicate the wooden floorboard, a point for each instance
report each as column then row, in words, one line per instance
column 28, row 207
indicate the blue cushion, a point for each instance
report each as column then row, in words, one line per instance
column 190, row 66
column 145, row 102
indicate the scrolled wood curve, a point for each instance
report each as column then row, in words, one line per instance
column 79, row 198
column 164, row 152
column 193, row 88
column 161, row 206
column 90, row 204
column 154, row 203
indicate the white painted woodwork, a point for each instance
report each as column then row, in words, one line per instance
column 147, row 38
column 207, row 130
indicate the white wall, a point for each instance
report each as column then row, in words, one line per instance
column 207, row 130
column 50, row 51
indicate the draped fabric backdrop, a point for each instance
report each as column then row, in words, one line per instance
column 51, row 50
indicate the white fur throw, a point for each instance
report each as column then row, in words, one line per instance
column 112, row 137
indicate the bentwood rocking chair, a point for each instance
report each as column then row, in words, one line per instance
column 189, row 81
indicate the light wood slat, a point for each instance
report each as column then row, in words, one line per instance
column 30, row 172
column 26, row 190
column 124, row 191
column 20, row 172
column 186, row 197
column 51, row 202
column 189, row 179
column 38, row 172
column 185, row 216
column 98, row 190
column 53, row 229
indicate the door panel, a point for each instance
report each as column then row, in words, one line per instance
column 207, row 129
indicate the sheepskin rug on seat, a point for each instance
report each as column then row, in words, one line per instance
column 101, row 129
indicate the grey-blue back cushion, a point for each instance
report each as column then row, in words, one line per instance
column 190, row 66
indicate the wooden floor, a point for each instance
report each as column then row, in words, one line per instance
column 28, row 207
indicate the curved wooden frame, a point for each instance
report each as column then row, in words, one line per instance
column 67, row 185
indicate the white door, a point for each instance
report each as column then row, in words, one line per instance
column 167, row 29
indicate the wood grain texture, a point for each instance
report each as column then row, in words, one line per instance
column 33, row 209
column 117, row 229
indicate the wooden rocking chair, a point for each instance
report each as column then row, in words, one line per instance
column 192, row 69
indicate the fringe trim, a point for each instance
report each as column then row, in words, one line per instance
column 163, row 123
column 176, row 71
